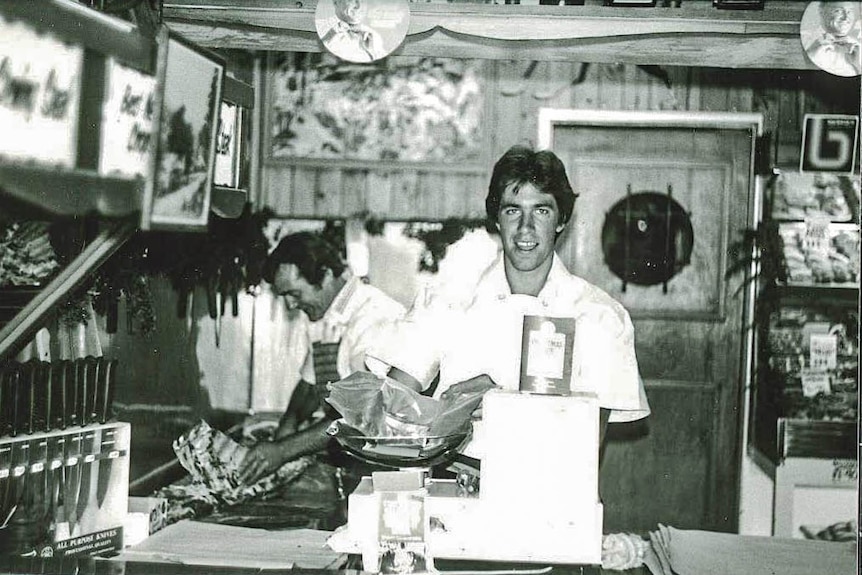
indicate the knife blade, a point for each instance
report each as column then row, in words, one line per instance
column 56, row 455
column 107, row 454
column 37, row 482
column 87, row 508
column 6, row 465
column 20, row 459
column 72, row 485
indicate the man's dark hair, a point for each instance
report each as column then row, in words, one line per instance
column 309, row 252
column 522, row 165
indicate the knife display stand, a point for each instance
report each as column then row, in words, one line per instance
column 39, row 396
column 64, row 492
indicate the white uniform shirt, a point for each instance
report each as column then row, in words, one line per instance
column 466, row 339
column 360, row 315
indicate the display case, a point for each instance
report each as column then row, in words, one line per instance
column 806, row 375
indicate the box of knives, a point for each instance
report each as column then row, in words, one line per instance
column 64, row 492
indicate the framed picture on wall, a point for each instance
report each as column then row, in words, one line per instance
column 180, row 195
column 401, row 111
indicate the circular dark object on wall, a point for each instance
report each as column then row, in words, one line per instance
column 647, row 238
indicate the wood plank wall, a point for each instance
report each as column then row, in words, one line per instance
column 518, row 89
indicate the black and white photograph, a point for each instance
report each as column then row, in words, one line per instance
column 432, row 287
column 831, row 33
column 191, row 103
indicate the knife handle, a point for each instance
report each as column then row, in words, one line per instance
column 86, row 384
column 93, row 395
column 59, row 393
column 31, row 374
column 48, row 400
column 5, row 417
column 74, row 405
column 15, row 403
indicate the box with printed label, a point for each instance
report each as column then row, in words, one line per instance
column 64, row 492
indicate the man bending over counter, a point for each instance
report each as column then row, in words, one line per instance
column 347, row 317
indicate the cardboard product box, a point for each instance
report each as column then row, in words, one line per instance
column 65, row 492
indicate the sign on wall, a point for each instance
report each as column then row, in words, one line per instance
column 829, row 143
column 127, row 121
column 40, row 85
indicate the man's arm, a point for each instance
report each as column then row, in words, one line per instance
column 267, row 456
column 404, row 378
column 304, row 401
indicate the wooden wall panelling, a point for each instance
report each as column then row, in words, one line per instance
column 328, row 193
column 585, row 94
column 379, row 192
column 507, row 114
column 404, row 197
column 303, row 190
column 431, row 200
column 277, row 189
column 611, row 80
column 635, row 84
column 354, row 194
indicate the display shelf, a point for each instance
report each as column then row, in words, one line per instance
column 70, row 192
column 816, row 439
column 805, row 352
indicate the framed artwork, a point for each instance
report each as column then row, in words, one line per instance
column 325, row 111
column 181, row 191
column 40, row 86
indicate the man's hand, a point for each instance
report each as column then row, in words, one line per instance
column 480, row 383
column 261, row 460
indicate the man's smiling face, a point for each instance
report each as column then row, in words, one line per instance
column 529, row 221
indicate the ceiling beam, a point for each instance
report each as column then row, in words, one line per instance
column 694, row 34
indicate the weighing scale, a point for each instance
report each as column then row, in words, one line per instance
column 537, row 502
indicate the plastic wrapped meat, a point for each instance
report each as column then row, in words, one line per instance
column 212, row 460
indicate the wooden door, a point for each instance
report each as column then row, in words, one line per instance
column 680, row 466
